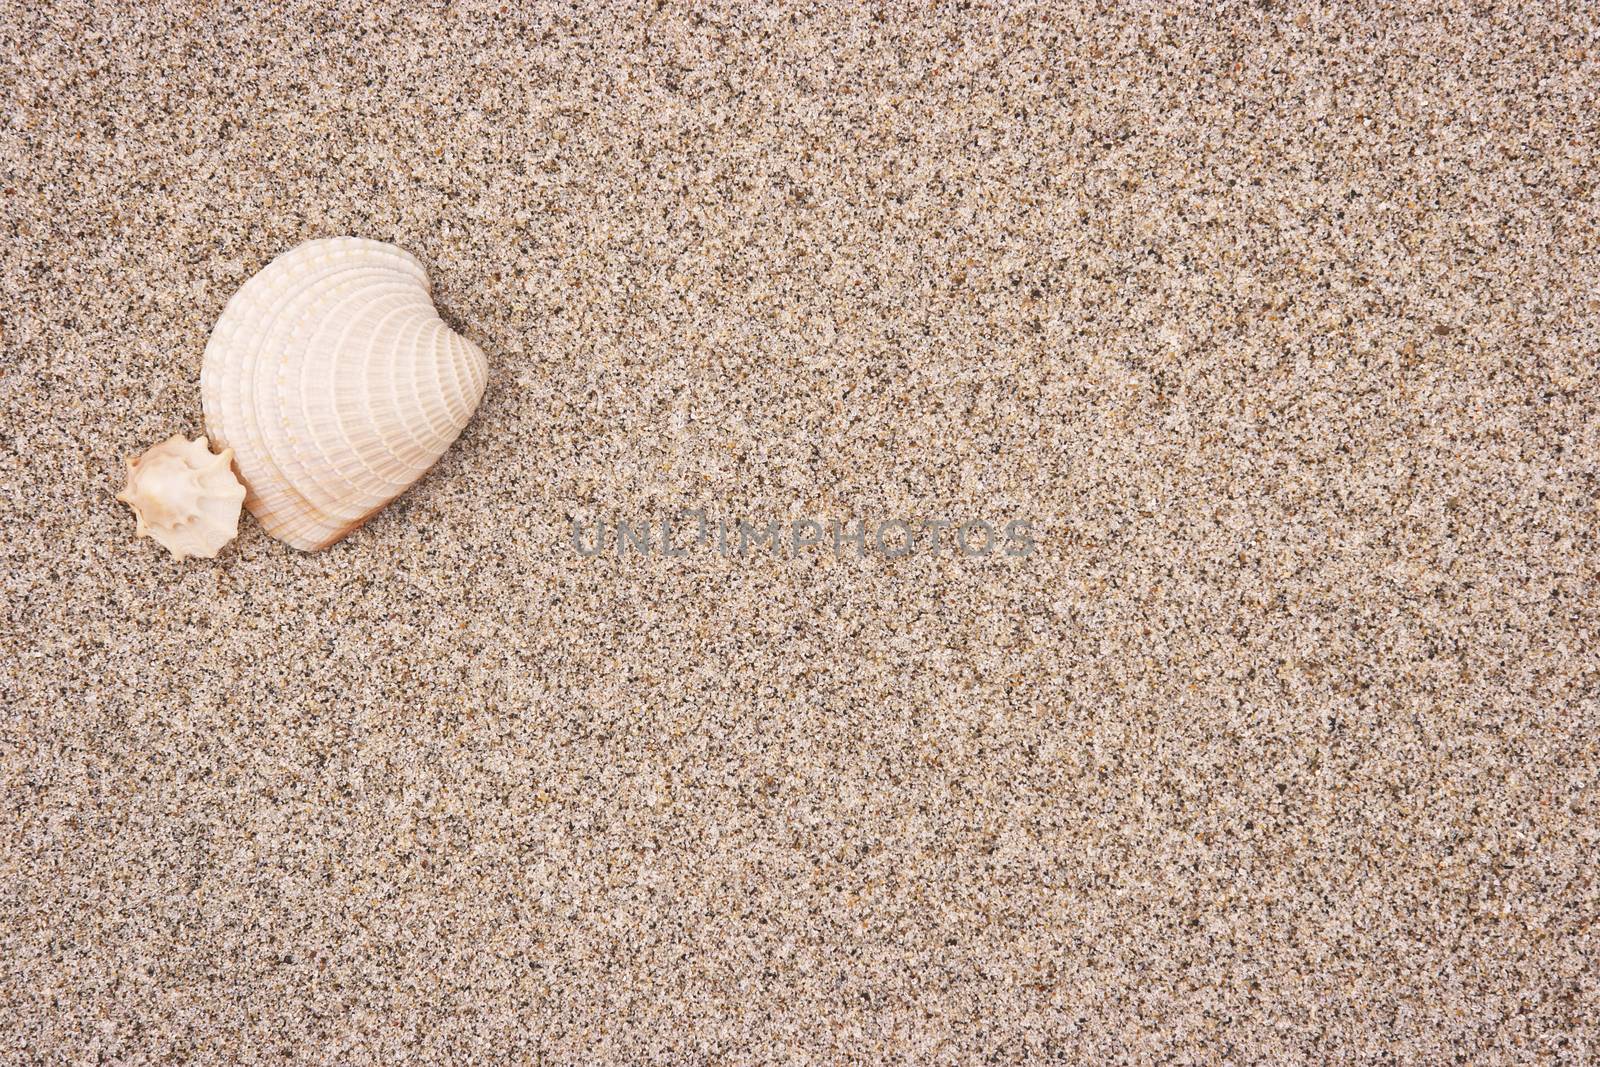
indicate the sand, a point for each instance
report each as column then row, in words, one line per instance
column 1278, row 323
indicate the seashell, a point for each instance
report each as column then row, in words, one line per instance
column 336, row 384
column 185, row 497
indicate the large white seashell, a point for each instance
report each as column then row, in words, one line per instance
column 185, row 497
column 336, row 384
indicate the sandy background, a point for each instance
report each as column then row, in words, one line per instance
column 1281, row 324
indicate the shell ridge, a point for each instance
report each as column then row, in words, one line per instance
column 295, row 353
column 325, row 497
column 358, row 455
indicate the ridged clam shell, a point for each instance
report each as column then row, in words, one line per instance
column 336, row 384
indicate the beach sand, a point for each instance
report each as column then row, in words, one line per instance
column 1277, row 322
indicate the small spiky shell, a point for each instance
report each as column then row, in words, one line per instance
column 336, row 384
column 185, row 497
